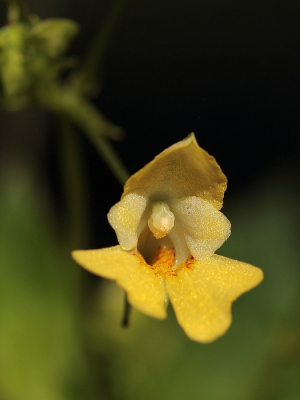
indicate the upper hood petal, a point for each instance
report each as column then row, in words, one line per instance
column 182, row 170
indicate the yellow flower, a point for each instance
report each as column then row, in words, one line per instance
column 168, row 226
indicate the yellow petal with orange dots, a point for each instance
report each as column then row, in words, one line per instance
column 203, row 291
column 145, row 290
column 182, row 170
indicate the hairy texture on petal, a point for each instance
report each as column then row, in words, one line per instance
column 145, row 290
column 205, row 228
column 182, row 170
column 125, row 217
column 202, row 293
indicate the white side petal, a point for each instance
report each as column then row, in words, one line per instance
column 125, row 217
column 204, row 227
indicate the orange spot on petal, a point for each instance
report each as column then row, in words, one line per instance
column 189, row 263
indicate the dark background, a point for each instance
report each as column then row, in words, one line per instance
column 226, row 70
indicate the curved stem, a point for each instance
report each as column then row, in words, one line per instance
column 85, row 78
column 73, row 184
column 16, row 11
column 111, row 158
column 65, row 102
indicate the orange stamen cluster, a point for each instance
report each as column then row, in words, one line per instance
column 164, row 261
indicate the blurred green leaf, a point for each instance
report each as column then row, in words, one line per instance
column 15, row 80
column 40, row 349
column 53, row 35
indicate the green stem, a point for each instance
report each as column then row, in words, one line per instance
column 85, row 78
column 64, row 101
column 73, row 184
column 17, row 11
column 111, row 157
column 127, row 308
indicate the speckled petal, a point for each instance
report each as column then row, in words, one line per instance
column 182, row 170
column 125, row 217
column 202, row 296
column 145, row 290
column 205, row 228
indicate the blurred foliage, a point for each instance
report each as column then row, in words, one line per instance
column 31, row 56
column 39, row 297
column 33, row 71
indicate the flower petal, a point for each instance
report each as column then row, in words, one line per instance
column 205, row 228
column 182, row 170
column 125, row 217
column 145, row 290
column 202, row 296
